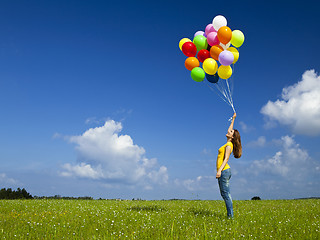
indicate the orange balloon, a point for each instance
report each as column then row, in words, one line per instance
column 224, row 34
column 191, row 63
column 215, row 51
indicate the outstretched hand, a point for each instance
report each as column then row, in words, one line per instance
column 235, row 115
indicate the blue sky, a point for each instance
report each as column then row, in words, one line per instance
column 95, row 100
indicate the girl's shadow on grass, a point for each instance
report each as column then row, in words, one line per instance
column 207, row 213
column 153, row 208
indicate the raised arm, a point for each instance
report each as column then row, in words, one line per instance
column 232, row 122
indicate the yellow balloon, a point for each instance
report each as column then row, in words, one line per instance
column 182, row 41
column 237, row 38
column 235, row 53
column 210, row 66
column 224, row 72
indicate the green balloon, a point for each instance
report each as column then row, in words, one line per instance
column 198, row 74
column 200, row 42
column 237, row 38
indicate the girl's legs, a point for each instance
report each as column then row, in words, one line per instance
column 225, row 190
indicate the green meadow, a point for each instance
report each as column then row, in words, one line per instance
column 176, row 219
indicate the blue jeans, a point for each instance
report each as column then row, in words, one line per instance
column 225, row 190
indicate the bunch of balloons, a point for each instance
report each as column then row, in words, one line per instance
column 211, row 47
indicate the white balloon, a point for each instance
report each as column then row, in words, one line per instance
column 218, row 22
column 225, row 46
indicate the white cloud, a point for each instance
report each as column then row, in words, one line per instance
column 245, row 128
column 199, row 183
column 291, row 161
column 206, row 151
column 82, row 170
column 290, row 172
column 104, row 154
column 5, row 180
column 159, row 176
column 299, row 106
column 260, row 142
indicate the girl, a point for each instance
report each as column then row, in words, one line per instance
column 223, row 169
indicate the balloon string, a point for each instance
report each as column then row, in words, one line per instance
column 228, row 88
column 231, row 79
column 230, row 93
column 227, row 93
column 212, row 89
column 222, row 88
column 232, row 84
column 225, row 90
column 226, row 98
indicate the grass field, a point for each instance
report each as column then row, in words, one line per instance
column 110, row 219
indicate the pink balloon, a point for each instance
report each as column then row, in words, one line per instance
column 209, row 29
column 212, row 39
column 226, row 58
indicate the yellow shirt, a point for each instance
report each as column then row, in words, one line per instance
column 221, row 153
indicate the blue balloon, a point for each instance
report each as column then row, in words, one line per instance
column 212, row 78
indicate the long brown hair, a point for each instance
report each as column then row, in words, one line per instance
column 236, row 141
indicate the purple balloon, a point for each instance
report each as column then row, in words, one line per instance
column 212, row 39
column 209, row 29
column 199, row 33
column 226, row 58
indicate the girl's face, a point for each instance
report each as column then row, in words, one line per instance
column 230, row 134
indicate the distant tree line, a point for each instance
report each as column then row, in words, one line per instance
column 8, row 193
column 64, row 198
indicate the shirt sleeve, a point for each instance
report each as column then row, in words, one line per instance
column 231, row 145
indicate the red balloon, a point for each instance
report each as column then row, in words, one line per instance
column 189, row 49
column 203, row 55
